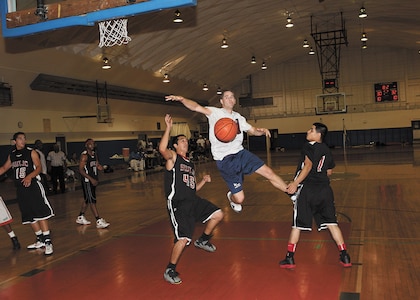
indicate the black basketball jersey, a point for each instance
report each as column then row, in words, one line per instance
column 22, row 164
column 322, row 160
column 180, row 180
column 91, row 167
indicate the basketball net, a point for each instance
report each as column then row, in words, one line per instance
column 113, row 32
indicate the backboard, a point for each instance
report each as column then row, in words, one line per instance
column 331, row 103
column 76, row 13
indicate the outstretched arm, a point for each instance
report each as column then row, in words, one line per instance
column 206, row 178
column 168, row 154
column 190, row 104
column 259, row 131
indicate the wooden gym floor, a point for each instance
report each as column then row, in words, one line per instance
column 376, row 191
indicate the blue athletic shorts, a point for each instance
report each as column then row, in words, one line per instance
column 233, row 168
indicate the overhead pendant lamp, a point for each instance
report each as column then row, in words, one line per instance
column 166, row 78
column 364, row 45
column 311, row 51
column 253, row 60
column 205, row 87
column 224, row 44
column 105, row 64
column 219, row 91
column 289, row 23
column 364, row 37
column 177, row 17
column 362, row 13
column 263, row 66
column 305, row 43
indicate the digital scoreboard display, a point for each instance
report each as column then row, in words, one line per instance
column 387, row 91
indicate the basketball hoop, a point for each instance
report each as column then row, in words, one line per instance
column 113, row 32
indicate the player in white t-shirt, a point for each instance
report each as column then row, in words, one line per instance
column 233, row 161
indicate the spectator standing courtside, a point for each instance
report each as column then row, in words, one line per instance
column 31, row 197
column 88, row 168
column 57, row 164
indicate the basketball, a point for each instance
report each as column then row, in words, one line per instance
column 225, row 130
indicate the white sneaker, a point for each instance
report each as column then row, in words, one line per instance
column 82, row 220
column 235, row 206
column 101, row 223
column 36, row 245
column 48, row 249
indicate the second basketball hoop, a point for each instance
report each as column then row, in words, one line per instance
column 113, row 32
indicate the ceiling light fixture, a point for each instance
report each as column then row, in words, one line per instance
column 219, row 91
column 205, row 87
column 106, row 65
column 263, row 66
column 177, row 17
column 364, row 45
column 253, row 60
column 311, row 51
column 166, row 78
column 224, row 44
column 289, row 23
column 362, row 13
column 305, row 43
column 364, row 37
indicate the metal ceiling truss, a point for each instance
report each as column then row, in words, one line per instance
column 328, row 44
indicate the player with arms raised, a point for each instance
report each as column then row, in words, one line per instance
column 233, row 161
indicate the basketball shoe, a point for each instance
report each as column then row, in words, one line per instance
column 287, row 263
column 48, row 248
column 235, row 206
column 171, row 276
column 101, row 223
column 345, row 259
column 205, row 245
column 82, row 220
column 15, row 242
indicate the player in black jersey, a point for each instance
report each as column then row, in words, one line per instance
column 316, row 198
column 185, row 208
column 31, row 196
column 88, row 168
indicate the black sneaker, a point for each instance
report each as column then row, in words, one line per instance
column 15, row 242
column 171, row 276
column 345, row 260
column 205, row 245
column 287, row 263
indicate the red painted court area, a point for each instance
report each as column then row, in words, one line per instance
column 245, row 266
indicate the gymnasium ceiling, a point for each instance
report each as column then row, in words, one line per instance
column 190, row 52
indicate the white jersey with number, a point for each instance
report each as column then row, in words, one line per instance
column 219, row 149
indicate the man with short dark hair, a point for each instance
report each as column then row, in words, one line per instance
column 31, row 197
column 314, row 198
column 184, row 206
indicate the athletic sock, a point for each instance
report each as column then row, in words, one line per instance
column 171, row 266
column 205, row 237
column 342, row 247
column 11, row 234
column 47, row 237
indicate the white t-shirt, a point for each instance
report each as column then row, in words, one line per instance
column 219, row 149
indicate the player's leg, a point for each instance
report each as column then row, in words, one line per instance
column 211, row 215
column 275, row 180
column 171, row 275
column 81, row 219
column 43, row 225
column 339, row 240
column 12, row 235
column 289, row 262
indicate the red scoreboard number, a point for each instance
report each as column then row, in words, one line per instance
column 386, row 92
